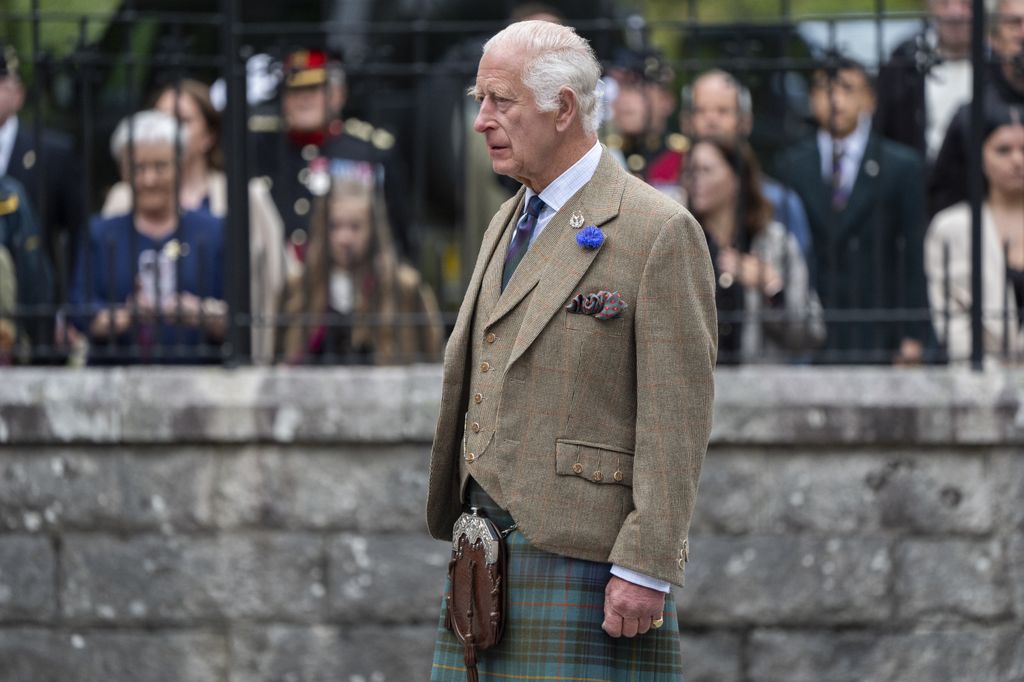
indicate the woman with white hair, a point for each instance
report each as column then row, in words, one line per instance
column 151, row 280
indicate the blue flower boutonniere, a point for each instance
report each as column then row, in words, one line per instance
column 590, row 237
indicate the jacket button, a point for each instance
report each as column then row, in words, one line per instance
column 470, row 457
column 491, row 338
column 475, row 426
column 577, row 468
column 598, row 476
column 618, row 476
column 478, row 398
column 485, row 366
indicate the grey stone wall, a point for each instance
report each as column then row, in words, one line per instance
column 266, row 525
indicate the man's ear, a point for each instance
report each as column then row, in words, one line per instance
column 568, row 109
column 338, row 96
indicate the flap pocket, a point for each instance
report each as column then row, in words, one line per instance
column 593, row 462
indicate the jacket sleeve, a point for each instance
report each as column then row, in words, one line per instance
column 676, row 331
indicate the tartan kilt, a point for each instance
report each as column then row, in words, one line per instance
column 553, row 628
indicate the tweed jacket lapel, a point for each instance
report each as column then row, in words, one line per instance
column 565, row 261
column 491, row 240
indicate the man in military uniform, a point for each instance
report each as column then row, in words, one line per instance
column 26, row 280
column 46, row 169
column 641, row 110
column 294, row 150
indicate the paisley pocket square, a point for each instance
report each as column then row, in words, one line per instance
column 604, row 305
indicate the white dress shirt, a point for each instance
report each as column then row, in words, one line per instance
column 947, row 86
column 853, row 146
column 554, row 197
column 8, row 133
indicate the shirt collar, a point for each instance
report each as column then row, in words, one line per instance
column 568, row 183
column 853, row 144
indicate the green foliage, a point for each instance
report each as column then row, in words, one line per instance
column 762, row 10
column 62, row 26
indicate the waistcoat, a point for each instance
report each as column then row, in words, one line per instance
column 490, row 349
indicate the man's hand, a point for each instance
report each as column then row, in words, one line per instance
column 629, row 609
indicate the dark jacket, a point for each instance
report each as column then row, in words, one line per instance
column 948, row 180
column 902, row 110
column 19, row 234
column 286, row 164
column 48, row 170
column 869, row 254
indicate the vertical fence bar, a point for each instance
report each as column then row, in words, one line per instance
column 35, row 319
column 236, row 267
column 975, row 186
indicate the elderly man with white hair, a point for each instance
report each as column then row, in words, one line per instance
column 577, row 394
column 151, row 279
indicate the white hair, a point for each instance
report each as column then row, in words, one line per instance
column 146, row 127
column 556, row 58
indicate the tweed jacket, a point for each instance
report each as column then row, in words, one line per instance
column 601, row 427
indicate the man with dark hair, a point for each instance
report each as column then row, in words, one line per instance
column 45, row 167
column 864, row 200
column 295, row 151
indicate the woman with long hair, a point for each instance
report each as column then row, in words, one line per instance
column 355, row 302
column 767, row 308
column 948, row 251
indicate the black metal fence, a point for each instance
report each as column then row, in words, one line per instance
column 865, row 288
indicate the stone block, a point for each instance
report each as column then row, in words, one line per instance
column 36, row 655
column 711, row 657
column 366, row 488
column 750, row 491
column 276, row 653
column 1008, row 483
column 952, row 577
column 168, row 488
column 174, row 579
column 27, row 576
column 387, row 578
column 58, row 487
column 399, row 654
column 1016, row 562
column 31, row 655
column 781, row 579
column 780, row 656
column 153, row 656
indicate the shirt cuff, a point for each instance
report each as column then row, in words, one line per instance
column 640, row 579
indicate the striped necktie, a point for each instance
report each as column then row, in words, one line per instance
column 840, row 192
column 521, row 239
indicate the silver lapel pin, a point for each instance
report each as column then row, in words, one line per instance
column 576, row 220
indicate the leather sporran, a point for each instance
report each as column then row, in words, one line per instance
column 475, row 601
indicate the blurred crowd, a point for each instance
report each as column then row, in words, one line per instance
column 850, row 246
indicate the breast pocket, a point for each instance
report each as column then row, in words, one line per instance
column 592, row 325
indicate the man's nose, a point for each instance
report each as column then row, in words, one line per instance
column 483, row 118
